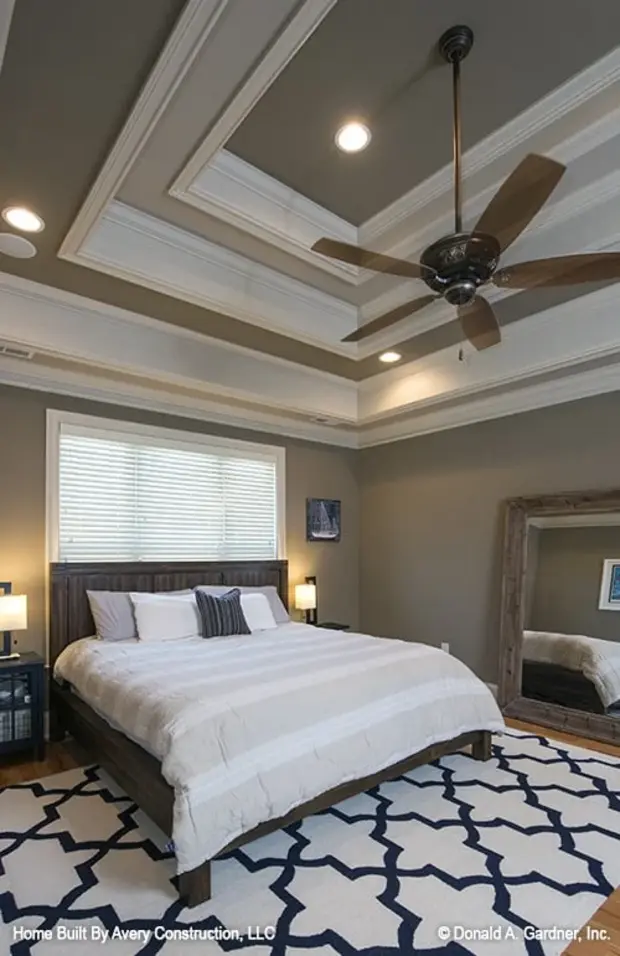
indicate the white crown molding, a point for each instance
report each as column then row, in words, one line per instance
column 6, row 15
column 58, row 324
column 282, row 51
column 137, row 247
column 67, row 325
column 188, row 39
column 526, row 398
column 76, row 385
column 241, row 195
column 587, row 85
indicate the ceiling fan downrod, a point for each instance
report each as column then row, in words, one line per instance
column 454, row 46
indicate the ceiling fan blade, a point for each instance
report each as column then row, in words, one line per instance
column 366, row 259
column 479, row 324
column 390, row 318
column 519, row 198
column 562, row 270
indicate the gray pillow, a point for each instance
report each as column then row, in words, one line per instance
column 221, row 615
column 113, row 614
column 280, row 614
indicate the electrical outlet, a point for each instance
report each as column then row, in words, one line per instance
column 445, row 647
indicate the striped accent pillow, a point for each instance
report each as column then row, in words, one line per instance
column 221, row 615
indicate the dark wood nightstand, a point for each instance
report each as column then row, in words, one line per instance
column 333, row 626
column 22, row 704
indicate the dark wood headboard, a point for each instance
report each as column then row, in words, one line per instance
column 70, row 616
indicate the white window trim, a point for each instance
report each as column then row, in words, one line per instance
column 112, row 428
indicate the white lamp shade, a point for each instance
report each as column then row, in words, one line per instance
column 305, row 597
column 13, row 612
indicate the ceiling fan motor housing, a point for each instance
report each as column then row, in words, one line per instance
column 461, row 263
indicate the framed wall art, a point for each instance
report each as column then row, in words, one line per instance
column 322, row 519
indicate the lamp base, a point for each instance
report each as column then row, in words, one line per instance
column 13, row 656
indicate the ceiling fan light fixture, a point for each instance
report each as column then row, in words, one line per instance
column 353, row 137
column 456, row 267
column 23, row 219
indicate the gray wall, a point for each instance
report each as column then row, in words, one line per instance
column 568, row 580
column 431, row 519
column 428, row 512
column 311, row 471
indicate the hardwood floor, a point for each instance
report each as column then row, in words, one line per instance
column 58, row 757
column 610, row 749
column 605, row 923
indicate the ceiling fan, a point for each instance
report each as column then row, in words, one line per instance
column 457, row 266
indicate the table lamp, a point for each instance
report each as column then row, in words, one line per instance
column 305, row 599
column 13, row 617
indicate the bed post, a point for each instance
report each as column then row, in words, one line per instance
column 195, row 885
column 481, row 747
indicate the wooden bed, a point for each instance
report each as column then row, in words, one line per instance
column 135, row 770
column 554, row 684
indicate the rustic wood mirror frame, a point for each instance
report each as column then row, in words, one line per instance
column 519, row 512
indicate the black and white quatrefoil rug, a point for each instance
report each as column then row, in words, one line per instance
column 523, row 849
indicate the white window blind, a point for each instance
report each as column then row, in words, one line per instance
column 136, row 498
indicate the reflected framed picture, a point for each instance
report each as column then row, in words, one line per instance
column 609, row 598
column 322, row 519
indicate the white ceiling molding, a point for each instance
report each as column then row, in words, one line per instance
column 6, row 15
column 137, row 247
column 155, row 400
column 189, row 37
column 58, row 323
column 246, row 197
column 518, row 135
column 282, row 51
column 240, row 194
column 574, row 119
column 523, row 398
column 558, row 339
column 487, row 385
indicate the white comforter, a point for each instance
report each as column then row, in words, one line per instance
column 249, row 727
column 598, row 660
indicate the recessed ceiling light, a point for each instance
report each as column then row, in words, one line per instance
column 389, row 357
column 17, row 246
column 21, row 218
column 352, row 137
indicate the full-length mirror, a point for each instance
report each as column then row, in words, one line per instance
column 571, row 635
column 560, row 612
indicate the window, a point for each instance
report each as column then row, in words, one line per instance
column 125, row 492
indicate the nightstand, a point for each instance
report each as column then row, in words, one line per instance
column 333, row 626
column 22, row 704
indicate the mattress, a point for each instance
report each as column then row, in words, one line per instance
column 249, row 727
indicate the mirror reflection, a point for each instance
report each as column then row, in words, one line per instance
column 571, row 641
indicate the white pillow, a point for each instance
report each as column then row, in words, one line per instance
column 257, row 611
column 160, row 617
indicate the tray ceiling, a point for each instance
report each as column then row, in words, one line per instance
column 182, row 157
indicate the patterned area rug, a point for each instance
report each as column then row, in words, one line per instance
column 459, row 857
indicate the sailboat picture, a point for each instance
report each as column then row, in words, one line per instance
column 322, row 519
